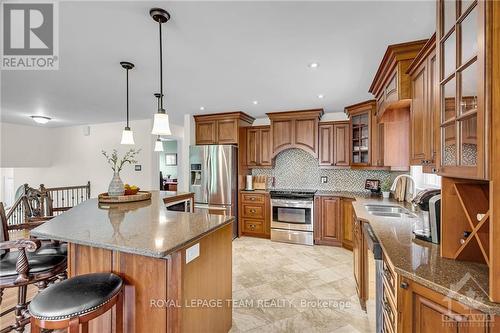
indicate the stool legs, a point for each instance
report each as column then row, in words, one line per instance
column 119, row 313
column 34, row 327
column 74, row 325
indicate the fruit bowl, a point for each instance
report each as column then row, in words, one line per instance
column 131, row 191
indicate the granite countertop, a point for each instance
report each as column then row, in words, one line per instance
column 421, row 261
column 144, row 228
column 349, row 194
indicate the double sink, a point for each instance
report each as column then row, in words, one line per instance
column 393, row 211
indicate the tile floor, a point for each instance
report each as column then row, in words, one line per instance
column 279, row 287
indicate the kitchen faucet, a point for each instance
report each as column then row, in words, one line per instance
column 413, row 188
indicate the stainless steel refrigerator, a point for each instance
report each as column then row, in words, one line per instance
column 214, row 180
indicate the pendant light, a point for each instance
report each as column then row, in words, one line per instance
column 161, row 124
column 127, row 134
column 158, row 143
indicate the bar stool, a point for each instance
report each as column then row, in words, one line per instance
column 76, row 301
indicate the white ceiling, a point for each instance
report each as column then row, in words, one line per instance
column 221, row 55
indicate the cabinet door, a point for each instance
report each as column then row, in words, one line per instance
column 358, row 259
column 206, row 132
column 347, row 227
column 341, row 144
column 306, row 135
column 463, row 97
column 253, row 138
column 265, row 147
column 420, row 128
column 360, row 139
column 227, row 131
column 331, row 227
column 380, row 147
column 282, row 135
column 326, row 144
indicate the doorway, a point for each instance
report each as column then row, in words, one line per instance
column 168, row 166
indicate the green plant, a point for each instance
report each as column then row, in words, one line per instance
column 116, row 164
column 386, row 186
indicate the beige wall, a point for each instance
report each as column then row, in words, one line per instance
column 76, row 158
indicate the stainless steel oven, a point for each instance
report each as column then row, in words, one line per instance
column 292, row 216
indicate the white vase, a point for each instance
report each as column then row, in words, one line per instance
column 385, row 194
column 116, row 186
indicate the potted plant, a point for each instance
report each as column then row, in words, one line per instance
column 116, row 186
column 386, row 188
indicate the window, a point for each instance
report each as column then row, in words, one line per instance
column 424, row 180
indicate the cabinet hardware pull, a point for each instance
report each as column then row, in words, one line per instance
column 252, row 210
column 404, row 285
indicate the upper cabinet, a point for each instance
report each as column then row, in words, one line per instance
column 220, row 128
column 258, row 147
column 423, row 73
column 391, row 85
column 463, row 89
column 295, row 129
column 363, row 126
column 333, row 144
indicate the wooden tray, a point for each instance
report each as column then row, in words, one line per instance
column 140, row 196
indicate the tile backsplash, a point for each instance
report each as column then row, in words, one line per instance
column 297, row 169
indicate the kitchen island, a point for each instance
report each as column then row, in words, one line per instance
column 177, row 266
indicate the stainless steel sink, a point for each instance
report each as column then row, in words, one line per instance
column 389, row 211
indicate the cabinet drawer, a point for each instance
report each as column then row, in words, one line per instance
column 252, row 226
column 252, row 198
column 253, row 211
column 389, row 279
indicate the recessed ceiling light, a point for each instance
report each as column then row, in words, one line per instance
column 40, row 119
column 313, row 65
column 202, row 108
column 320, row 96
column 255, row 102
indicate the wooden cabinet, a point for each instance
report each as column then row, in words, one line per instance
column 422, row 310
column 254, row 214
column 423, row 73
column 333, row 144
column 258, row 146
column 220, row 128
column 347, row 226
column 391, row 85
column 464, row 53
column 359, row 260
column 328, row 223
column 295, row 129
column 361, row 131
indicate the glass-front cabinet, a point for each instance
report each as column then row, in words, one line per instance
column 363, row 134
column 462, row 89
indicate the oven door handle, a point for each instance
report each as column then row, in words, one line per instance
column 291, row 204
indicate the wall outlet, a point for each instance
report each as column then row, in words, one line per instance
column 192, row 253
column 324, row 179
column 138, row 167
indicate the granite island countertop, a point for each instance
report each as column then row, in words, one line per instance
column 144, row 227
column 421, row 261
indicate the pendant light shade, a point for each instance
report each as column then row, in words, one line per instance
column 158, row 145
column 161, row 125
column 127, row 137
column 127, row 134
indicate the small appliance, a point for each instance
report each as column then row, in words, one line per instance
column 429, row 202
column 249, row 183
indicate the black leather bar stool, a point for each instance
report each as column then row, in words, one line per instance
column 76, row 301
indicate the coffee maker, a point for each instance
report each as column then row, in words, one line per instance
column 429, row 201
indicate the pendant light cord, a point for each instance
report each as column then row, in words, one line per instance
column 160, row 110
column 127, row 100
